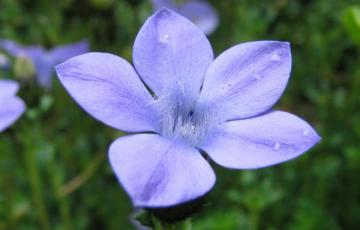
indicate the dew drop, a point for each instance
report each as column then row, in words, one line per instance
column 277, row 146
column 306, row 133
column 165, row 38
column 275, row 57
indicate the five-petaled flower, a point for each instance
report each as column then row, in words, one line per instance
column 11, row 106
column 196, row 104
column 44, row 60
column 200, row 12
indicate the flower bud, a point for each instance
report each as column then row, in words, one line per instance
column 23, row 68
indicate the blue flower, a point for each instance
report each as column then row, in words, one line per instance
column 11, row 106
column 200, row 12
column 197, row 104
column 4, row 62
column 44, row 60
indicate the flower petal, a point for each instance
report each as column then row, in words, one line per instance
column 44, row 70
column 262, row 141
column 15, row 49
column 8, row 88
column 172, row 55
column 64, row 52
column 157, row 172
column 108, row 88
column 11, row 108
column 45, row 64
column 248, row 79
column 202, row 14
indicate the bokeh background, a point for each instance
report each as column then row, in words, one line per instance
column 54, row 172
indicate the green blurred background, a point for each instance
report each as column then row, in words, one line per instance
column 54, row 172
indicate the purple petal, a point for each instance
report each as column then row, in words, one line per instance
column 172, row 55
column 201, row 13
column 108, row 88
column 15, row 49
column 262, row 141
column 157, row 172
column 44, row 69
column 37, row 55
column 11, row 107
column 8, row 88
column 62, row 53
column 10, row 110
column 247, row 79
column 10, row 47
column 46, row 63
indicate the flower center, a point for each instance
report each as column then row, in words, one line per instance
column 186, row 121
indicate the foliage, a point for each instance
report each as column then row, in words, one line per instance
column 54, row 172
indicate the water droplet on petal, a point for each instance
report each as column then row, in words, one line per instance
column 275, row 57
column 277, row 146
column 306, row 133
column 165, row 38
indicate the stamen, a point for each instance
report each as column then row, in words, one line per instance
column 187, row 121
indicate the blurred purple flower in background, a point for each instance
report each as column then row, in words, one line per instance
column 200, row 12
column 44, row 60
column 4, row 61
column 220, row 106
column 11, row 106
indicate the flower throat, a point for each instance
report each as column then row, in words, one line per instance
column 189, row 122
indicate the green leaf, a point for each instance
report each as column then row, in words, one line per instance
column 144, row 218
column 351, row 21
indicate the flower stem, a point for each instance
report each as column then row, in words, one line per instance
column 62, row 202
column 254, row 217
column 162, row 225
column 82, row 178
column 36, row 188
column 28, row 139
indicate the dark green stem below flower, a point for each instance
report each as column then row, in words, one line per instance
column 162, row 225
column 149, row 219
